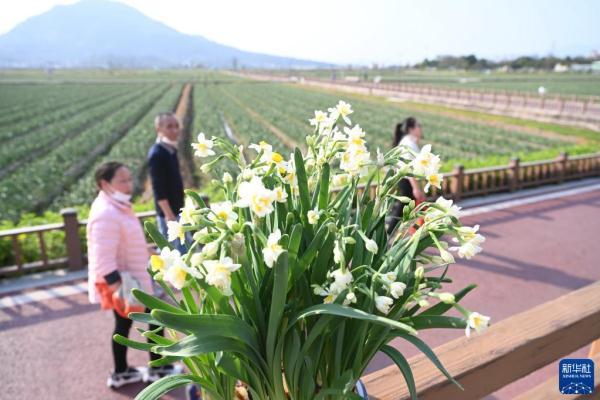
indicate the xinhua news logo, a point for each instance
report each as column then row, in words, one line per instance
column 576, row 376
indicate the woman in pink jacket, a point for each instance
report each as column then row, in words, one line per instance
column 117, row 252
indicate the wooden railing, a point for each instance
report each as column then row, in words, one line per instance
column 557, row 104
column 506, row 352
column 457, row 185
column 74, row 258
column 578, row 110
column 461, row 183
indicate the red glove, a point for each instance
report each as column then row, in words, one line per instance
column 106, row 295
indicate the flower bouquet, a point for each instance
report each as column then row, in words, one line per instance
column 292, row 284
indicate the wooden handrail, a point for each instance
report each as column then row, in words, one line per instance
column 31, row 229
column 458, row 184
column 508, row 351
column 140, row 215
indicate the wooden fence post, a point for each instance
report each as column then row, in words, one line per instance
column 514, row 178
column 459, row 173
column 72, row 241
column 562, row 159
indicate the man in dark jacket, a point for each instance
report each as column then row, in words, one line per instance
column 165, row 174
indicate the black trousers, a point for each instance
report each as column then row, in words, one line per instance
column 404, row 189
column 122, row 327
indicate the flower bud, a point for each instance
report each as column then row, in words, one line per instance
column 419, row 273
column 447, row 298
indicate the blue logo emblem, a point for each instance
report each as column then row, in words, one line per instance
column 576, row 376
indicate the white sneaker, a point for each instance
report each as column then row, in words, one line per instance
column 131, row 375
column 155, row 373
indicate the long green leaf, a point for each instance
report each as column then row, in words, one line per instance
column 421, row 322
column 425, row 349
column 349, row 312
column 324, row 188
column 209, row 325
column 144, row 318
column 154, row 303
column 165, row 385
column 132, row 343
column 190, row 302
column 278, row 300
column 193, row 345
column 156, row 236
column 404, row 367
column 197, row 198
column 315, row 245
column 302, row 183
column 163, row 361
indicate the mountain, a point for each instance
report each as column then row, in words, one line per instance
column 102, row 33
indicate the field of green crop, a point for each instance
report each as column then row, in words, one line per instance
column 52, row 158
column 54, row 134
column 287, row 108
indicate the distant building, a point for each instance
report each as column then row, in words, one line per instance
column 596, row 67
column 561, row 67
column 581, row 67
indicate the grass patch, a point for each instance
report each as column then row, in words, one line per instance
column 547, row 154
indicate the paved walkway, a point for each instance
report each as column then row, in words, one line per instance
column 55, row 345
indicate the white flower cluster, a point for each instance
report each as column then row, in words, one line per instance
column 264, row 191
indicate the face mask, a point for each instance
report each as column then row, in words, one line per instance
column 120, row 196
column 169, row 141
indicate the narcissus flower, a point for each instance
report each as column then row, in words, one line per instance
column 175, row 231
column 176, row 275
column 313, row 216
column 426, row 163
column 255, row 195
column 478, row 322
column 383, row 304
column 433, row 180
column 341, row 279
column 342, row 109
column 165, row 260
column 355, row 137
column 223, row 212
column 273, row 249
column 187, row 212
column 397, row 289
column 470, row 241
column 218, row 274
column 280, row 194
column 319, row 118
column 203, row 147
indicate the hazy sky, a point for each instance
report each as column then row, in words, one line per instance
column 382, row 31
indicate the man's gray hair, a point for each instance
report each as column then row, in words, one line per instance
column 162, row 116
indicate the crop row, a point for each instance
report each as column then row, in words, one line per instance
column 24, row 147
column 43, row 179
column 131, row 150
